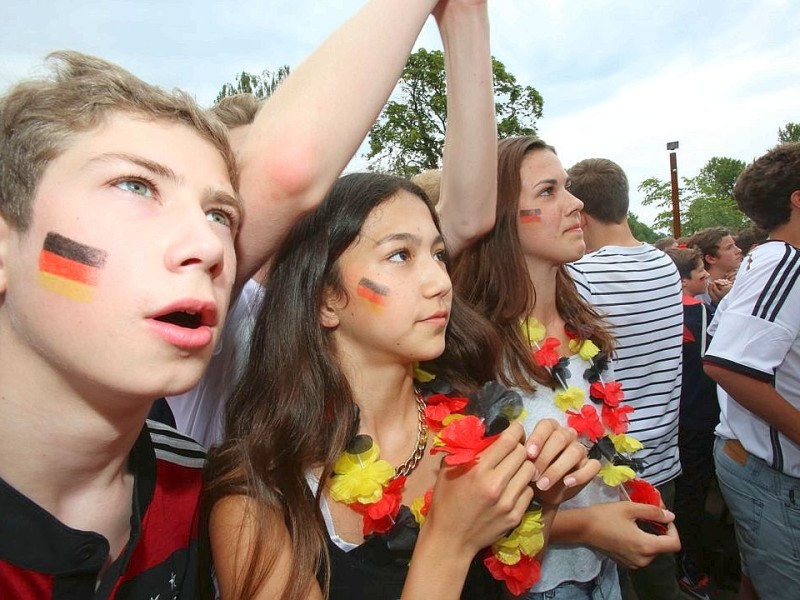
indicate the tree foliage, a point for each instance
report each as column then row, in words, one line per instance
column 261, row 86
column 408, row 136
column 706, row 200
column 640, row 231
column 789, row 133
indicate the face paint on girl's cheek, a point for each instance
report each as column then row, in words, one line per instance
column 532, row 215
column 372, row 292
column 69, row 268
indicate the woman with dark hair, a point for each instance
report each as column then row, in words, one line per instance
column 555, row 350
column 358, row 294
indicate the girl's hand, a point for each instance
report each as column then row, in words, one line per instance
column 562, row 468
column 475, row 504
column 612, row 529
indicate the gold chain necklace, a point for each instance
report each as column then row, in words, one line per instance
column 408, row 467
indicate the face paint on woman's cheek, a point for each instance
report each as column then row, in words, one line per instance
column 374, row 293
column 530, row 215
column 69, row 268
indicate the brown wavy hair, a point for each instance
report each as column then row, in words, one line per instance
column 492, row 276
column 293, row 410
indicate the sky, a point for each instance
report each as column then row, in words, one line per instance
column 619, row 78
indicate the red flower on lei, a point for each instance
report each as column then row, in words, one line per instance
column 379, row 516
column 439, row 407
column 610, row 393
column 520, row 577
column 616, row 419
column 547, row 354
column 586, row 422
column 642, row 492
column 463, row 440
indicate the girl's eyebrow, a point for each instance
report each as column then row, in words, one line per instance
column 408, row 238
column 545, row 181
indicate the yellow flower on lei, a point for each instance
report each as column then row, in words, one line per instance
column 416, row 509
column 614, row 475
column 570, row 398
column 360, row 477
column 422, row 375
column 526, row 538
column 533, row 330
column 625, row 443
column 586, row 349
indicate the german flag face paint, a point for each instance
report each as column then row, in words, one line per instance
column 69, row 268
column 528, row 216
column 374, row 293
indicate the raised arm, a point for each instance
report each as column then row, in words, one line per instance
column 310, row 128
column 469, row 175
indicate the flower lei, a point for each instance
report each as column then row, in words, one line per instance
column 369, row 485
column 606, row 429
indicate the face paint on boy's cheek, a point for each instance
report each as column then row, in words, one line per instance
column 374, row 293
column 69, row 268
column 532, row 215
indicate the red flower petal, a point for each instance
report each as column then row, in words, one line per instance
column 439, row 407
column 616, row 419
column 547, row 355
column 610, row 393
column 519, row 578
column 463, row 440
column 379, row 516
column 586, row 422
column 642, row 492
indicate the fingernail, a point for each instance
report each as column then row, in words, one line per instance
column 543, row 483
column 669, row 514
column 570, row 481
column 533, row 450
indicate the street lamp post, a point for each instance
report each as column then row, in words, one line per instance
column 673, row 169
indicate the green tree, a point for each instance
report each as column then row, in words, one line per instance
column 408, row 136
column 789, row 133
column 710, row 194
column 705, row 200
column 261, row 86
column 640, row 231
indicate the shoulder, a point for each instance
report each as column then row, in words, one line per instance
column 173, row 447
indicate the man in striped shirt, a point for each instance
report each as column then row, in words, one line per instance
column 755, row 359
column 638, row 288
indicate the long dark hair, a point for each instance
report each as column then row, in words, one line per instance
column 293, row 409
column 492, row 276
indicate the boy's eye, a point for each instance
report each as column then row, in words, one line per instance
column 440, row 255
column 222, row 217
column 135, row 186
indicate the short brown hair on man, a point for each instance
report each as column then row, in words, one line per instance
column 39, row 118
column 237, row 110
column 431, row 183
column 602, row 186
column 763, row 189
column 686, row 260
column 707, row 241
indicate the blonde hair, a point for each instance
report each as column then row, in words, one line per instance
column 39, row 117
column 430, row 181
column 237, row 110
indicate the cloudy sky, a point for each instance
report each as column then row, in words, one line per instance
column 620, row 78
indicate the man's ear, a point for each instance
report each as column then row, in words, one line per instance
column 710, row 259
column 5, row 235
column 794, row 199
column 329, row 309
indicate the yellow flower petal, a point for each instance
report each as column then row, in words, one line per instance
column 364, row 485
column 416, row 509
column 347, row 462
column 422, row 375
column 533, row 330
column 570, row 399
column 625, row 443
column 588, row 350
column 527, row 538
column 614, row 475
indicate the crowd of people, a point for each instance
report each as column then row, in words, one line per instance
column 228, row 371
